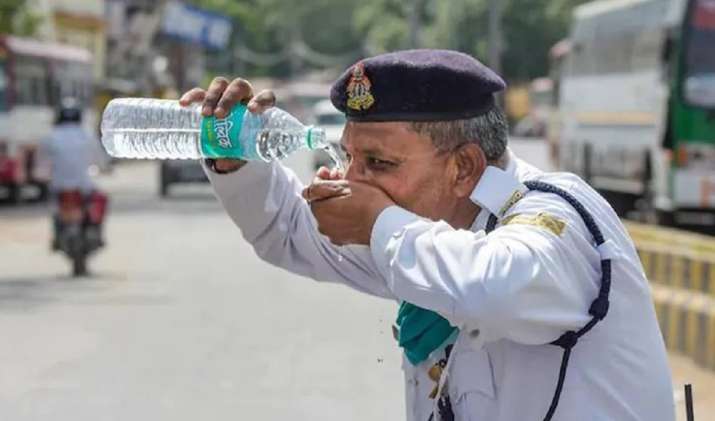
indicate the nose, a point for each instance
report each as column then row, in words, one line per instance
column 355, row 172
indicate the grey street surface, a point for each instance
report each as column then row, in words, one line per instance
column 180, row 321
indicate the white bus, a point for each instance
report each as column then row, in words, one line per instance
column 637, row 102
column 34, row 76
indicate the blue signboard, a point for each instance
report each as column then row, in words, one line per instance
column 191, row 24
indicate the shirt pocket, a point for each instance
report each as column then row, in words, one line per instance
column 471, row 386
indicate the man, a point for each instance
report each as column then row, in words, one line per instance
column 68, row 155
column 69, row 152
column 428, row 175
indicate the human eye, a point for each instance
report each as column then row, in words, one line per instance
column 377, row 164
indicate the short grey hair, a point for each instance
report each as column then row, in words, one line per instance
column 489, row 131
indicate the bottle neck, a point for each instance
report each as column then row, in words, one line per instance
column 309, row 138
column 315, row 138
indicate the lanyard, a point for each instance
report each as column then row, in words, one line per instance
column 598, row 309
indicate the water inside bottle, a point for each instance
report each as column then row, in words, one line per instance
column 273, row 144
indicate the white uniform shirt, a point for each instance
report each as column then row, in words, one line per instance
column 510, row 292
column 67, row 154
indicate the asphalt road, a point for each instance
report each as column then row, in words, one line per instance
column 180, row 321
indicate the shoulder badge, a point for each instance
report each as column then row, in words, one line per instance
column 541, row 220
column 359, row 96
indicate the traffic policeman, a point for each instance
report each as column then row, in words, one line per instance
column 521, row 295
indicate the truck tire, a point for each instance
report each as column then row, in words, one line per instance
column 78, row 254
column 14, row 193
column 79, row 265
column 43, row 192
column 164, row 180
column 164, row 188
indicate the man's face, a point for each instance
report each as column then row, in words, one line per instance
column 402, row 163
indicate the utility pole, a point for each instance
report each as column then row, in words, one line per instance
column 415, row 22
column 495, row 35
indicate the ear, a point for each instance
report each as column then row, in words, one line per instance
column 470, row 163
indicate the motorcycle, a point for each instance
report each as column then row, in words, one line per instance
column 78, row 224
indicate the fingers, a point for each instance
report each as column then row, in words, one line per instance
column 322, row 174
column 194, row 95
column 215, row 91
column 336, row 174
column 239, row 90
column 326, row 184
column 261, row 102
column 223, row 95
column 325, row 173
column 321, row 190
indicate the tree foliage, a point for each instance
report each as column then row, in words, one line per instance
column 16, row 18
column 346, row 27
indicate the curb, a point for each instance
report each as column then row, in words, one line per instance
column 687, row 322
column 681, row 269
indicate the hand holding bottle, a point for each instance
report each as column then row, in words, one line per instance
column 220, row 97
column 147, row 128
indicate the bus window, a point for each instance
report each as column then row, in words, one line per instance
column 700, row 55
column 3, row 86
column 72, row 80
column 581, row 62
column 31, row 82
column 31, row 90
column 614, row 51
column 647, row 50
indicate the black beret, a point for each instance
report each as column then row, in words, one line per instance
column 416, row 85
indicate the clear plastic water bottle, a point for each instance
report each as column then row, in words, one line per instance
column 163, row 129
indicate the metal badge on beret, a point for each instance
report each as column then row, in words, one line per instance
column 358, row 90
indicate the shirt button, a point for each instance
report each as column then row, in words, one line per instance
column 400, row 233
column 474, row 333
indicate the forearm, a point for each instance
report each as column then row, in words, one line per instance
column 265, row 203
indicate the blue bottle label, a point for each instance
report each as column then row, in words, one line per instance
column 219, row 136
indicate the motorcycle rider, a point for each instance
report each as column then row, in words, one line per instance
column 70, row 154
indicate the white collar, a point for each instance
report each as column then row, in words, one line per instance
column 498, row 190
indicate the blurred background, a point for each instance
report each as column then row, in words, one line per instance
column 176, row 318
